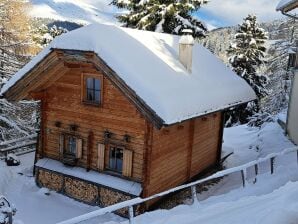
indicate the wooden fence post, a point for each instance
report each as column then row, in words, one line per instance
column 194, row 197
column 9, row 215
column 272, row 164
column 131, row 215
column 243, row 175
column 256, row 172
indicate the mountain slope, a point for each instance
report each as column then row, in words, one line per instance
column 79, row 11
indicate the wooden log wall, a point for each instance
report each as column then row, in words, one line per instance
column 181, row 151
column 116, row 115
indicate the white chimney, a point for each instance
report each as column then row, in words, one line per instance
column 186, row 43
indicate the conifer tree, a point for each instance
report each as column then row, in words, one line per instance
column 247, row 55
column 45, row 34
column 170, row 16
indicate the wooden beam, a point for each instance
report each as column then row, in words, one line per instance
column 13, row 93
column 44, row 78
column 90, row 149
column 147, row 157
column 220, row 137
column 43, row 121
column 191, row 132
column 58, row 73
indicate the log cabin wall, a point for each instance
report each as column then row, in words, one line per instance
column 207, row 137
column 182, row 151
column 117, row 115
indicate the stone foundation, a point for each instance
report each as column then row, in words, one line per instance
column 81, row 190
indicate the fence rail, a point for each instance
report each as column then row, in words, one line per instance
column 18, row 140
column 16, row 144
column 136, row 201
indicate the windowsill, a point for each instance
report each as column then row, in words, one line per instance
column 69, row 154
column 69, row 159
column 113, row 173
column 91, row 103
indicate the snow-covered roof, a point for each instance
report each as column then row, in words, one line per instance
column 285, row 3
column 127, row 186
column 148, row 63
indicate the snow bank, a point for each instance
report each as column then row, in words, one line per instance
column 120, row 184
column 148, row 63
column 277, row 207
column 249, row 143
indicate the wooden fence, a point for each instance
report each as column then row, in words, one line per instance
column 136, row 201
column 18, row 146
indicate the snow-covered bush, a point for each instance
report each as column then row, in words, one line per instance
column 44, row 34
column 6, row 211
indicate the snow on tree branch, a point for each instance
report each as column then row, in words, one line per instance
column 162, row 16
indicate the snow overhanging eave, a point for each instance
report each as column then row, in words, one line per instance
column 287, row 6
column 207, row 112
column 23, row 72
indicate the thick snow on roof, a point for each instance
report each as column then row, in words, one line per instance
column 284, row 3
column 148, row 63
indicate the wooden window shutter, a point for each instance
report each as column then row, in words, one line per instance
column 61, row 144
column 127, row 163
column 79, row 149
column 101, row 156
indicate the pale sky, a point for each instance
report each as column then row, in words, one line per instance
column 231, row 12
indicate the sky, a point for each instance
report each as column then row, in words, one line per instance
column 220, row 13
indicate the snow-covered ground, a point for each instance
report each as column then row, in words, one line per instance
column 79, row 11
column 273, row 199
column 33, row 205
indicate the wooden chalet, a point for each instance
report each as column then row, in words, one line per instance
column 122, row 116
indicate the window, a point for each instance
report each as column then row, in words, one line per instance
column 116, row 159
column 92, row 89
column 71, row 146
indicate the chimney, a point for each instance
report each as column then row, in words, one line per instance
column 186, row 43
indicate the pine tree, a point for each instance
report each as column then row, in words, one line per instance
column 170, row 16
column 44, row 34
column 247, row 55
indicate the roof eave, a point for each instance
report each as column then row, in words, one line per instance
column 210, row 112
column 288, row 7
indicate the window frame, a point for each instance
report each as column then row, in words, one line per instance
column 109, row 154
column 84, row 78
column 66, row 144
